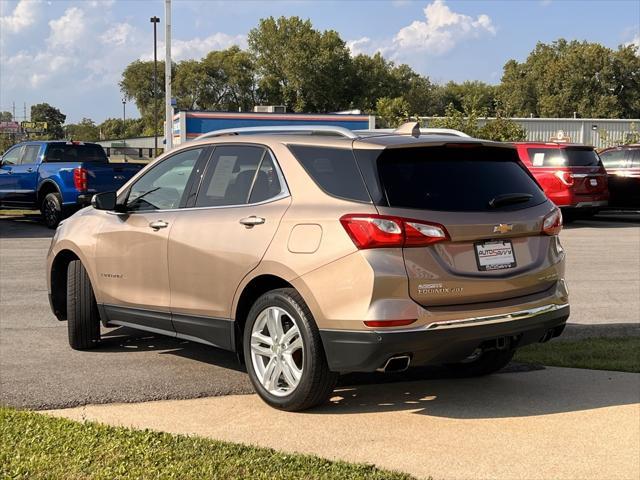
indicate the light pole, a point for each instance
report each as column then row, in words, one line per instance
column 124, row 126
column 155, row 21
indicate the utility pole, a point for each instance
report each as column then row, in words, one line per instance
column 155, row 21
column 13, row 111
column 168, row 127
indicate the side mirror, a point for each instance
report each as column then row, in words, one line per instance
column 104, row 201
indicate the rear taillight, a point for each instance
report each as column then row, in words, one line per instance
column 564, row 177
column 552, row 223
column 80, row 179
column 381, row 231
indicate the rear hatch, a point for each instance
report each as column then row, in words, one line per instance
column 576, row 167
column 491, row 208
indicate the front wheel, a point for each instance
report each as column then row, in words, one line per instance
column 484, row 364
column 284, row 354
column 83, row 319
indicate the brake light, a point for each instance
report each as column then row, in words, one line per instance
column 381, row 231
column 564, row 177
column 389, row 323
column 552, row 223
column 80, row 179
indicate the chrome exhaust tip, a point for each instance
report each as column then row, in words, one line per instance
column 398, row 363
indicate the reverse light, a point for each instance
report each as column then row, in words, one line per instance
column 565, row 177
column 389, row 323
column 381, row 231
column 552, row 223
column 80, row 179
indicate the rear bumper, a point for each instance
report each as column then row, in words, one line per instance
column 366, row 351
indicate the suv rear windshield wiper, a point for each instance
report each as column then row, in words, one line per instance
column 509, row 199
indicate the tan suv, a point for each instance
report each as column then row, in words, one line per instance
column 318, row 252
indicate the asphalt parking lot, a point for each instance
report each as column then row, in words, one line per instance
column 38, row 369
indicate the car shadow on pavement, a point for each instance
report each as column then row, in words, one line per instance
column 606, row 220
column 123, row 339
column 25, row 226
column 516, row 394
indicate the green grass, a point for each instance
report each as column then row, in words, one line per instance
column 36, row 446
column 619, row 354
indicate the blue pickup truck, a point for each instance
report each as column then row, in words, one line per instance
column 58, row 177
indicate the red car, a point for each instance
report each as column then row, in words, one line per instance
column 571, row 175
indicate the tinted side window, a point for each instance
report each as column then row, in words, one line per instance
column 162, row 187
column 30, row 154
column 230, row 175
column 267, row 184
column 12, row 157
column 334, row 170
column 71, row 152
column 563, row 157
column 616, row 158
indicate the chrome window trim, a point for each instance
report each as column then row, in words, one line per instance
column 284, row 189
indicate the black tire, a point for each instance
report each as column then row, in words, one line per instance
column 83, row 319
column 317, row 381
column 488, row 363
column 51, row 209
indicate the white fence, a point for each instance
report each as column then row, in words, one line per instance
column 599, row 132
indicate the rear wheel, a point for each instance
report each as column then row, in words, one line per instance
column 485, row 364
column 51, row 209
column 284, row 354
column 83, row 319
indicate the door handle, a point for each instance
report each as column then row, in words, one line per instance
column 251, row 221
column 158, row 224
column 29, row 170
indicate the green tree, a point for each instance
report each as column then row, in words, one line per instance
column 564, row 77
column 300, row 67
column 43, row 112
column 392, row 112
column 502, row 130
column 112, row 128
column 466, row 122
column 233, row 73
column 470, row 96
column 85, row 131
column 6, row 116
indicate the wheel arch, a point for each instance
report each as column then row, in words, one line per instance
column 45, row 188
column 58, row 279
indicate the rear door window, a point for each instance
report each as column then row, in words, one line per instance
column 71, row 152
column 452, row 178
column 30, row 154
column 334, row 170
column 563, row 157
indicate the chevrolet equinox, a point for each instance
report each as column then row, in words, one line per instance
column 319, row 252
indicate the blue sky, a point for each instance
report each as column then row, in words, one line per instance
column 72, row 53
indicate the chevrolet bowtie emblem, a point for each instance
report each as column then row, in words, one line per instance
column 502, row 228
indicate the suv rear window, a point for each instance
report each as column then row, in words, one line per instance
column 447, row 178
column 64, row 152
column 334, row 170
column 563, row 157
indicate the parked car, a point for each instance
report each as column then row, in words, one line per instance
column 571, row 175
column 321, row 254
column 57, row 177
column 623, row 172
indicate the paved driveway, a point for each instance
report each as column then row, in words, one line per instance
column 39, row 370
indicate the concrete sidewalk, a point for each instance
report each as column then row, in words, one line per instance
column 556, row 423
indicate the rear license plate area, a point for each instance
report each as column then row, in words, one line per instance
column 494, row 255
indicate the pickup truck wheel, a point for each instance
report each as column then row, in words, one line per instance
column 487, row 363
column 51, row 210
column 284, row 354
column 83, row 319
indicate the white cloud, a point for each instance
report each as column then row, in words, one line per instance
column 442, row 30
column 635, row 41
column 22, row 17
column 117, row 35
column 361, row 45
column 67, row 30
column 198, row 47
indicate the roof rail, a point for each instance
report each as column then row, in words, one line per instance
column 423, row 131
column 311, row 129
